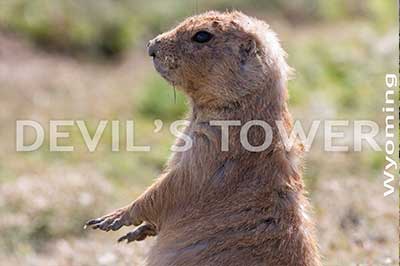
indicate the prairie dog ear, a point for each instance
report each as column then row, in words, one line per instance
column 247, row 50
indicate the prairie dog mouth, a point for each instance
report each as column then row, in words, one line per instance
column 163, row 70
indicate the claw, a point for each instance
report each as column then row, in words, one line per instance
column 92, row 222
column 132, row 236
column 96, row 226
column 112, row 221
column 116, row 225
column 96, row 222
column 122, row 238
column 139, row 233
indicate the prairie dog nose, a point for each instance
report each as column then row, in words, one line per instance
column 152, row 47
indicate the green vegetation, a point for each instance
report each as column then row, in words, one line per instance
column 161, row 101
column 94, row 27
column 109, row 28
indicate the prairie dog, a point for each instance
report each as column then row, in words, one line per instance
column 212, row 207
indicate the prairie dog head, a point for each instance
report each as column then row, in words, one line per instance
column 220, row 58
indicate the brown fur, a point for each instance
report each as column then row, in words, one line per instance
column 211, row 207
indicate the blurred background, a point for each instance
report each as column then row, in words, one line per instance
column 70, row 59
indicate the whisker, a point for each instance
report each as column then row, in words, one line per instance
column 174, row 94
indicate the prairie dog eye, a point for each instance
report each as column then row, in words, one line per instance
column 202, row 37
